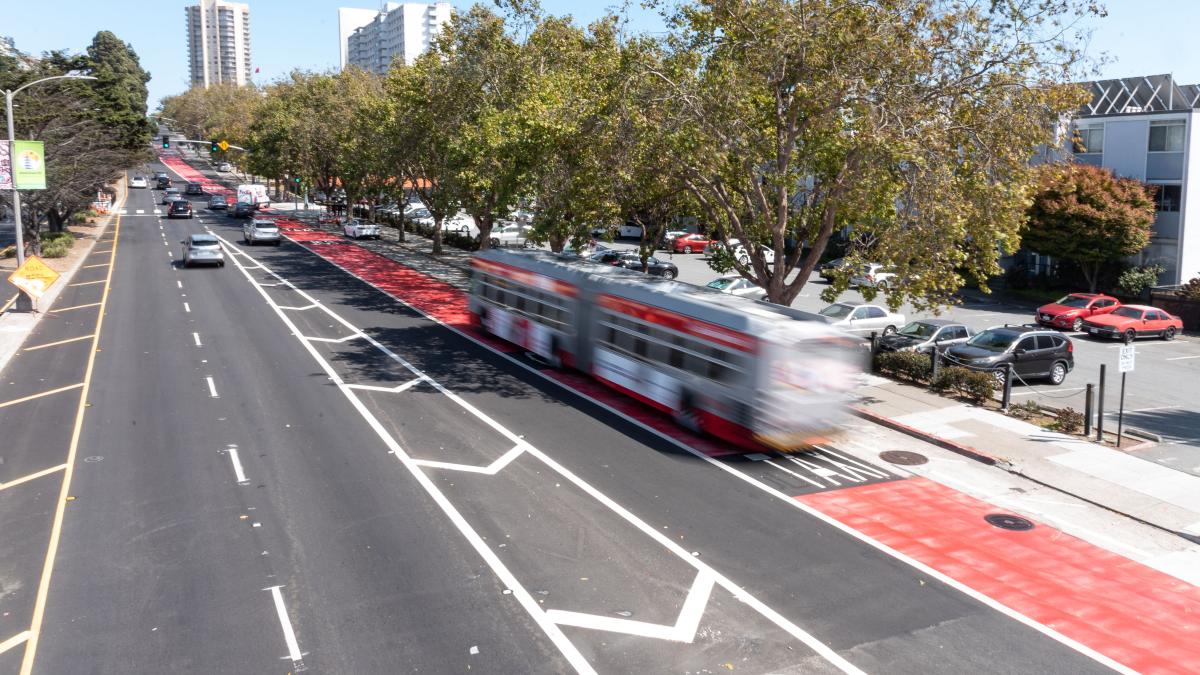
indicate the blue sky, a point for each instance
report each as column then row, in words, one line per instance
column 1141, row 37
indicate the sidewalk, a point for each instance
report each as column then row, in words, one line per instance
column 1121, row 482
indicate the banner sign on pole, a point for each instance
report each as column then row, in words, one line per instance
column 1125, row 361
column 6, row 181
column 29, row 165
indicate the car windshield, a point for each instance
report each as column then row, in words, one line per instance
column 992, row 340
column 722, row 283
column 179, row 205
column 837, row 311
column 1128, row 312
column 1073, row 301
column 919, row 330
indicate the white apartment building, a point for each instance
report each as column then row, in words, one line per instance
column 399, row 30
column 218, row 42
column 1144, row 128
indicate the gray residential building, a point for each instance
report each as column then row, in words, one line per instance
column 218, row 43
column 1144, row 128
column 399, row 30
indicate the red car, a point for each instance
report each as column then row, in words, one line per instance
column 1070, row 311
column 691, row 243
column 1129, row 322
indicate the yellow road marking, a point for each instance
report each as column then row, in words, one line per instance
column 55, row 344
column 39, row 605
column 14, row 641
column 44, row 393
column 26, row 479
column 96, row 265
column 8, row 304
column 67, row 309
column 88, row 283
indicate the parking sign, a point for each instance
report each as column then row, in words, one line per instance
column 1125, row 361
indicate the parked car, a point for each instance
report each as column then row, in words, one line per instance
column 241, row 210
column 460, row 223
column 874, row 275
column 361, row 229
column 138, row 182
column 670, row 236
column 202, row 249
column 218, row 202
column 225, row 167
column 691, row 243
column 828, row 270
column 1034, row 352
column 654, row 266
column 512, row 234
column 862, row 319
column 925, row 335
column 171, row 195
column 1070, row 311
column 1129, row 322
column 740, row 253
column 180, row 208
column 261, row 229
column 195, row 189
column 420, row 216
column 735, row 284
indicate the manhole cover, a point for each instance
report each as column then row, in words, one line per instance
column 1007, row 521
column 903, row 457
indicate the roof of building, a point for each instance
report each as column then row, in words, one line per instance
column 1139, row 96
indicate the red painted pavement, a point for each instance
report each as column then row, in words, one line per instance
column 191, row 175
column 448, row 305
column 1135, row 615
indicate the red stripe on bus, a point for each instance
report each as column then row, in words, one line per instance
column 704, row 330
column 527, row 277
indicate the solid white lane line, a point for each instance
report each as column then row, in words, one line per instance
column 196, row 338
column 1182, row 358
column 736, row 473
column 552, row 630
column 212, row 388
column 237, row 465
column 289, row 635
column 187, row 307
column 14, row 641
column 389, row 390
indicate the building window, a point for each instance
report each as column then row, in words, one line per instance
column 1166, row 136
column 1089, row 139
column 1167, row 197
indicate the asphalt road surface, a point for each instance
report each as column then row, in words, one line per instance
column 279, row 468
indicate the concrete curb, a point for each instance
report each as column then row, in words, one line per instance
column 984, row 458
column 9, row 347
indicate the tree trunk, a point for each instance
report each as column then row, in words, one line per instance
column 484, row 224
column 1091, row 272
column 437, row 235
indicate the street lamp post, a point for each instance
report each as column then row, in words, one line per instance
column 24, row 302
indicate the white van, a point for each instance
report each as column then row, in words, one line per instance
column 254, row 194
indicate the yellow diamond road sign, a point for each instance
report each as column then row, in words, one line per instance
column 33, row 276
column 223, row 145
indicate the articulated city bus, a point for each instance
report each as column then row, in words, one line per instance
column 748, row 372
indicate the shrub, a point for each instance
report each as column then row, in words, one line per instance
column 48, row 237
column 57, row 248
column 1137, row 279
column 78, row 218
column 907, row 365
column 948, row 379
column 1025, row 410
column 1191, row 290
column 1069, row 420
column 973, row 385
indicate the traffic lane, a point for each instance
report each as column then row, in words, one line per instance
column 154, row 552
column 860, row 604
column 39, row 398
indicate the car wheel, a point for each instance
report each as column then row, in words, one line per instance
column 668, row 274
column 744, row 260
column 494, row 242
column 1077, row 325
column 687, row 249
column 1130, row 336
column 998, row 378
column 1169, row 333
column 889, row 330
column 1058, row 372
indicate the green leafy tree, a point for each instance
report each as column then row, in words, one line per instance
column 908, row 122
column 1089, row 216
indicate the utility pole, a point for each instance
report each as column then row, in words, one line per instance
column 24, row 302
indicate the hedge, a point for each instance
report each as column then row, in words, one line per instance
column 973, row 385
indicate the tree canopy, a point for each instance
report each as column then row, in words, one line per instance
column 1089, row 216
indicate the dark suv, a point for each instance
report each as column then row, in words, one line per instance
column 1034, row 352
column 162, row 181
column 195, row 189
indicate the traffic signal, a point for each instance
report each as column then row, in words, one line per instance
column 166, row 140
column 296, row 180
column 214, row 145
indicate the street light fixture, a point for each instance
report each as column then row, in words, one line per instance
column 24, row 302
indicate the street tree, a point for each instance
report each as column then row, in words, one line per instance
column 908, row 122
column 1089, row 216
